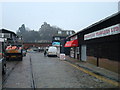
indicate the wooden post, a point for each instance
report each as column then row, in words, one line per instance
column 97, row 62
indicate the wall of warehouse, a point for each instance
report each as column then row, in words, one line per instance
column 105, row 50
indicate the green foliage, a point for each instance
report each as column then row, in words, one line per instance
column 47, row 32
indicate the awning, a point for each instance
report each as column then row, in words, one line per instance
column 73, row 43
column 56, row 43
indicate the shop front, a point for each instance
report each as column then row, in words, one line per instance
column 100, row 43
column 73, row 45
column 103, row 51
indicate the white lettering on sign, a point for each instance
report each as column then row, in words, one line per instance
column 73, row 38
column 115, row 29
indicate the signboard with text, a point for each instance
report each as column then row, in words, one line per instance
column 112, row 30
column 73, row 38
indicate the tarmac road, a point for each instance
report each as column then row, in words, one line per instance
column 37, row 71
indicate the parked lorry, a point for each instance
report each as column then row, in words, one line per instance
column 14, row 51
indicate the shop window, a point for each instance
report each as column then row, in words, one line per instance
column 72, row 52
column 59, row 32
column 67, row 32
column 57, row 38
column 71, row 32
column 77, row 50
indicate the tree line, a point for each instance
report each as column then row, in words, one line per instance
column 45, row 33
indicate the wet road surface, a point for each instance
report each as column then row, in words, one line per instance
column 37, row 71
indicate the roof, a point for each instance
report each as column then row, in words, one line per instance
column 6, row 31
column 118, row 13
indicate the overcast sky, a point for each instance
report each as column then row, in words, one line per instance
column 65, row 15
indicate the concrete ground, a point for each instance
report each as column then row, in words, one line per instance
column 97, row 70
column 37, row 71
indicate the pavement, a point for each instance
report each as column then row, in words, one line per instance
column 94, row 69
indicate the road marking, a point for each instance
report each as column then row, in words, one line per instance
column 95, row 75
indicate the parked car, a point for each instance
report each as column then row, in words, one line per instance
column 35, row 49
column 30, row 50
column 52, row 51
column 14, row 51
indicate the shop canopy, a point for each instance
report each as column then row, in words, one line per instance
column 56, row 43
column 73, row 43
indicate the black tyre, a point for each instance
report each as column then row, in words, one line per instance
column 4, row 70
column 7, row 59
column 21, row 58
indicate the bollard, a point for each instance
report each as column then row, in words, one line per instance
column 97, row 62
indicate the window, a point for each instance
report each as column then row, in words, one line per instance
column 59, row 32
column 1, row 35
column 5, row 35
column 57, row 38
column 70, row 32
column 77, row 50
column 67, row 32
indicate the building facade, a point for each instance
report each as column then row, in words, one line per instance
column 99, row 44
column 59, row 38
column 9, row 36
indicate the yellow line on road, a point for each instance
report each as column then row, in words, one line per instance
column 95, row 75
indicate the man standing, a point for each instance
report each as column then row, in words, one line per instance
column 45, row 52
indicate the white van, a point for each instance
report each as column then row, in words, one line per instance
column 52, row 51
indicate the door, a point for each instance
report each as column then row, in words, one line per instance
column 83, row 53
